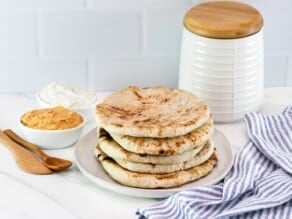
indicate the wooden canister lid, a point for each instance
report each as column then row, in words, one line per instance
column 223, row 20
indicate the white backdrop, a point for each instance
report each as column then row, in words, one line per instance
column 109, row 44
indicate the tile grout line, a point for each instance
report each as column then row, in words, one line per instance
column 38, row 33
column 86, row 4
column 143, row 32
column 89, row 85
column 288, row 61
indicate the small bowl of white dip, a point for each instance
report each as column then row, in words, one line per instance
column 69, row 96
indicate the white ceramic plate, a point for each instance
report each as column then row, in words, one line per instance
column 91, row 168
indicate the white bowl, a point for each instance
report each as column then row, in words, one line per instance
column 87, row 111
column 52, row 139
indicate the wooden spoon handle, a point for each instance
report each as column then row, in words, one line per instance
column 24, row 143
column 24, row 158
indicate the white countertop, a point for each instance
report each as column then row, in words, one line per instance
column 70, row 194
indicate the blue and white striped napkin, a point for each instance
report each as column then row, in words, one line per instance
column 259, row 184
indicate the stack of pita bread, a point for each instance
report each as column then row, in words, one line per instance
column 154, row 137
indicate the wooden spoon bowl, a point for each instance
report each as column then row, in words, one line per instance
column 56, row 164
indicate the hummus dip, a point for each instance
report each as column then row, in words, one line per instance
column 55, row 118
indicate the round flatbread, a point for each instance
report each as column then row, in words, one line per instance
column 151, row 181
column 155, row 112
column 200, row 158
column 114, row 150
column 167, row 146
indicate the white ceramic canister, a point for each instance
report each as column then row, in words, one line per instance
column 222, row 58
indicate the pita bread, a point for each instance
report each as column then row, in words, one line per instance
column 151, row 181
column 167, row 146
column 200, row 158
column 155, row 112
column 114, row 150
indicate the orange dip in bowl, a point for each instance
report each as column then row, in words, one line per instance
column 55, row 118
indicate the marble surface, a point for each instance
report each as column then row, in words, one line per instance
column 70, row 194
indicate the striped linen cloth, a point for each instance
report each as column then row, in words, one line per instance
column 259, row 184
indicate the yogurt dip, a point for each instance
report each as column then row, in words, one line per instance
column 67, row 95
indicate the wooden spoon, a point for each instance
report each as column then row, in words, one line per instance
column 24, row 158
column 52, row 163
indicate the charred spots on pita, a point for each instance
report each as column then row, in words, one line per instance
column 137, row 94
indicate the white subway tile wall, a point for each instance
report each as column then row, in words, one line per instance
column 41, row 4
column 30, row 75
column 17, row 35
column 117, row 73
column 289, row 76
column 163, row 31
column 274, row 66
column 89, row 33
column 110, row 44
